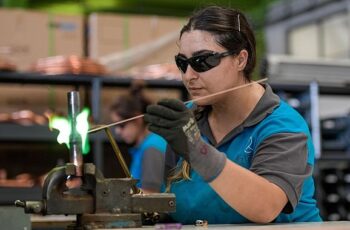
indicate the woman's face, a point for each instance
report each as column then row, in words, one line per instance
column 221, row 77
column 128, row 131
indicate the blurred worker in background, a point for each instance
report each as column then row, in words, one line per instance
column 246, row 156
column 148, row 149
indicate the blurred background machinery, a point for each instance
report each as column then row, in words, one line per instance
column 308, row 41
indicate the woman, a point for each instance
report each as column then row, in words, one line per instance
column 246, row 156
column 147, row 151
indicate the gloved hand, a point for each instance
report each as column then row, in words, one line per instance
column 172, row 120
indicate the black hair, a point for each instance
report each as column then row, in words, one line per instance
column 230, row 28
column 232, row 31
column 133, row 103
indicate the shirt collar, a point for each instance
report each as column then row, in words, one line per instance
column 267, row 103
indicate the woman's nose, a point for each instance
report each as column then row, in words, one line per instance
column 118, row 130
column 190, row 74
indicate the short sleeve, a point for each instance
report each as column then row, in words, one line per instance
column 282, row 159
column 152, row 169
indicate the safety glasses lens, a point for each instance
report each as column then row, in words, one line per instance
column 213, row 60
column 200, row 63
column 181, row 63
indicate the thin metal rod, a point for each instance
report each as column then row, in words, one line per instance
column 119, row 156
column 100, row 127
column 226, row 91
column 117, row 152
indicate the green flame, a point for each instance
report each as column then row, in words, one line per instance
column 64, row 127
column 83, row 128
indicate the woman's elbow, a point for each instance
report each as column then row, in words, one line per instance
column 265, row 215
column 269, row 209
column 264, row 219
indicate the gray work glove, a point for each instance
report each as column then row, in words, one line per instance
column 172, row 120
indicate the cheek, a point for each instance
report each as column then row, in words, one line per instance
column 226, row 78
column 118, row 131
column 127, row 136
column 214, row 81
column 131, row 132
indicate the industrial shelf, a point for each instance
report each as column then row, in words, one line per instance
column 11, row 133
column 10, row 194
column 95, row 84
column 16, row 132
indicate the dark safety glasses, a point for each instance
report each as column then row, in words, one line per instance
column 200, row 63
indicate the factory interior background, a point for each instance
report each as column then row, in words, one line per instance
column 48, row 48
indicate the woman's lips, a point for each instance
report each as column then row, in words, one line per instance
column 194, row 88
column 195, row 91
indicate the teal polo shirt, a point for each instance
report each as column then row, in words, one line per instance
column 273, row 142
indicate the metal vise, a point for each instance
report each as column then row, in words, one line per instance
column 99, row 202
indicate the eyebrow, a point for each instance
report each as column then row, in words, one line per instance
column 199, row 52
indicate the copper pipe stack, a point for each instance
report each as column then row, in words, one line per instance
column 68, row 64
column 7, row 65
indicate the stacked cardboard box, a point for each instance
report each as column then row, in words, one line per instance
column 149, row 39
column 29, row 35
column 138, row 41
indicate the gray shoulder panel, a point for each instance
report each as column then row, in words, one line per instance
column 171, row 160
column 282, row 159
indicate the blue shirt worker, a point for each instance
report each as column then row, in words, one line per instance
column 245, row 155
column 147, row 149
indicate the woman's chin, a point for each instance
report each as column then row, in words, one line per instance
column 201, row 102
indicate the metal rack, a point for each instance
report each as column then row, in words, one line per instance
column 94, row 85
column 90, row 85
column 331, row 172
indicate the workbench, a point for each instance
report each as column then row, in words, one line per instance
column 42, row 223
column 336, row 225
column 294, row 226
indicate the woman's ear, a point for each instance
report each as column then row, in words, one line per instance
column 242, row 59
